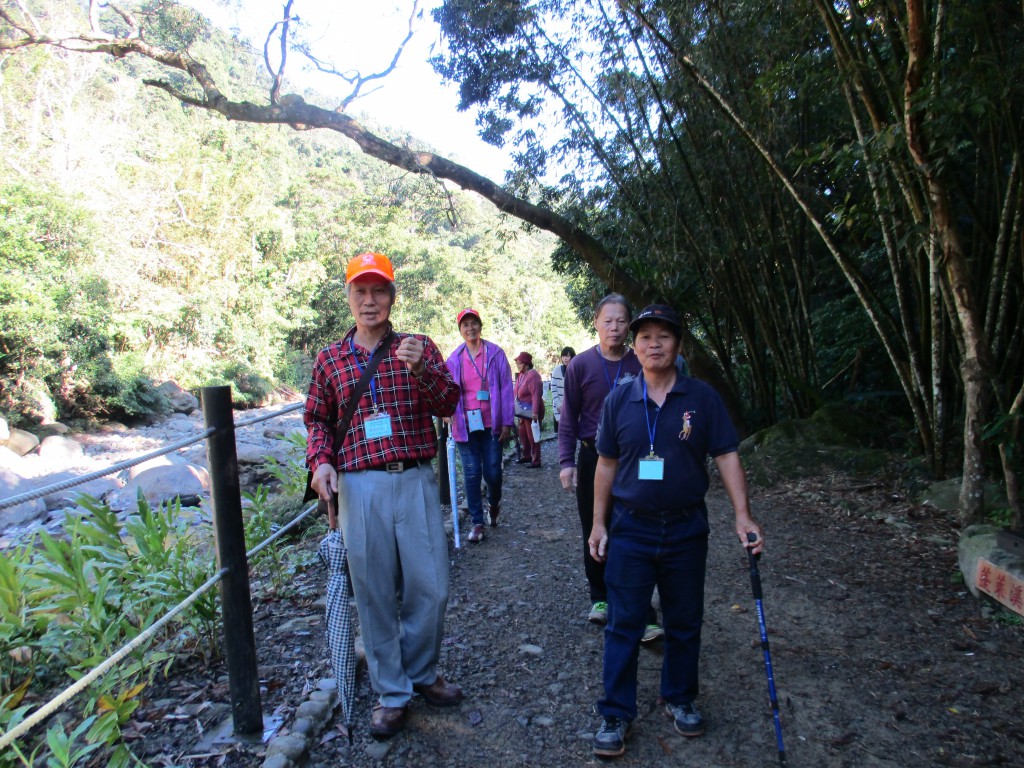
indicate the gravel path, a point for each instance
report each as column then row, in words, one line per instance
column 881, row 657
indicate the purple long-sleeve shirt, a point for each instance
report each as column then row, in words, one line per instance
column 588, row 380
column 499, row 382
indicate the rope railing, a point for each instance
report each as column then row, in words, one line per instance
column 63, row 485
column 71, row 482
column 234, row 564
column 97, row 672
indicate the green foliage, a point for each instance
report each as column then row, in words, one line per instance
column 69, row 603
column 248, row 388
column 52, row 305
column 1008, row 618
column 179, row 245
column 63, row 750
column 1005, row 430
column 259, row 526
column 833, row 285
column 291, row 474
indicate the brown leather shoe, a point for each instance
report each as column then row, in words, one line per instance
column 385, row 722
column 440, row 693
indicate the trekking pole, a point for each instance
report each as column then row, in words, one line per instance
column 755, row 583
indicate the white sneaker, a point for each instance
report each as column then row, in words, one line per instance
column 652, row 632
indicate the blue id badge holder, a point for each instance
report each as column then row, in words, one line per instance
column 483, row 396
column 475, row 418
column 652, row 468
column 377, row 426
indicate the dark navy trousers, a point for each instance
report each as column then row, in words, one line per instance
column 668, row 550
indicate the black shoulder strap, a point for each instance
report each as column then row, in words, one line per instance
column 360, row 389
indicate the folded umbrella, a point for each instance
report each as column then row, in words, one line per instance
column 340, row 634
column 453, row 484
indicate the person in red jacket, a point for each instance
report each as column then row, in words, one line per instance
column 529, row 394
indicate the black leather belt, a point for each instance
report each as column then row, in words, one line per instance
column 666, row 515
column 588, row 444
column 398, row 466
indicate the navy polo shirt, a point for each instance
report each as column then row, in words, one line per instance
column 623, row 435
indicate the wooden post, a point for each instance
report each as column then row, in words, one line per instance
column 229, row 532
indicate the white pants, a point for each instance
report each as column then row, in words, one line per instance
column 398, row 560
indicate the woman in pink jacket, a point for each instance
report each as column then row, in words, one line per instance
column 529, row 399
column 482, row 422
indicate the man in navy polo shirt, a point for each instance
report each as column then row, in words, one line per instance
column 650, row 522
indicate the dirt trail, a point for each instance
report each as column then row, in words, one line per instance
column 881, row 657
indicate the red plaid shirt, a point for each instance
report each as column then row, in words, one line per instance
column 409, row 401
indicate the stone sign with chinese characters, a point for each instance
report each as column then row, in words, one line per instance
column 1001, row 585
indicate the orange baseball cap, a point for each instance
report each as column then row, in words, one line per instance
column 467, row 312
column 370, row 264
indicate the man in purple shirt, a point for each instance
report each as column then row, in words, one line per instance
column 589, row 377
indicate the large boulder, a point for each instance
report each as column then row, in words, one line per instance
column 159, row 484
column 98, row 489
column 27, row 511
column 833, row 436
column 61, row 451
column 945, row 495
column 52, row 428
column 181, row 401
column 22, row 442
column 167, row 460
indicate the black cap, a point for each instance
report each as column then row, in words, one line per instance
column 661, row 312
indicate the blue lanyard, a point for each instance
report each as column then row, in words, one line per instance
column 604, row 370
column 651, row 428
column 359, row 365
column 483, row 376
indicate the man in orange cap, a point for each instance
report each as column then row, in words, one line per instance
column 388, row 501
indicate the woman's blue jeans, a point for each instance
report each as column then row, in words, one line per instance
column 481, row 459
column 669, row 550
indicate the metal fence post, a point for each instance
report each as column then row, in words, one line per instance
column 229, row 531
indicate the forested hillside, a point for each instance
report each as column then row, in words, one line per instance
column 831, row 192
column 141, row 240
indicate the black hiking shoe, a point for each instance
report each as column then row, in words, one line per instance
column 687, row 719
column 610, row 740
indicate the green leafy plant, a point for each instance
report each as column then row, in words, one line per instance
column 65, row 750
column 258, row 528
column 66, row 605
column 291, row 474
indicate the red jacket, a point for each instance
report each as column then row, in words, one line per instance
column 530, row 392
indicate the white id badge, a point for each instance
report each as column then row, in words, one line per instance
column 483, row 396
column 476, row 419
column 377, row 426
column 652, row 468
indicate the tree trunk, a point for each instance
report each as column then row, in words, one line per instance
column 974, row 369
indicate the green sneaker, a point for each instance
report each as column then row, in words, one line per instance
column 598, row 613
